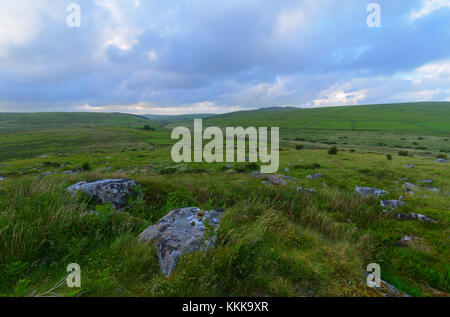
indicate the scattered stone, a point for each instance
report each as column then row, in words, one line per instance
column 367, row 191
column 62, row 165
column 313, row 176
column 423, row 218
column 109, row 157
column 151, row 148
column 409, row 185
column 410, row 191
column 109, row 168
column 182, row 231
column 387, row 290
column 286, row 170
column 402, row 216
column 402, row 197
column 434, row 190
column 44, row 156
column 406, row 241
column 48, row 174
column 274, row 180
column 404, row 179
column 408, row 166
column 426, row 181
column 301, row 189
column 391, row 204
column 441, row 160
column 115, row 191
column 70, row 172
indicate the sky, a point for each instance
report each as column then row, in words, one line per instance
column 203, row 56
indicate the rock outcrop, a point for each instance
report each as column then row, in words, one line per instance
column 114, row 191
column 368, row 191
column 391, row 204
column 182, row 231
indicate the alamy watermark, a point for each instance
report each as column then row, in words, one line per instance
column 74, row 277
column 374, row 277
column 214, row 151
column 74, row 18
column 374, row 18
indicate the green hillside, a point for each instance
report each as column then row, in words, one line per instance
column 427, row 117
column 168, row 119
column 49, row 120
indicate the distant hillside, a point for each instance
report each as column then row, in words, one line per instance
column 431, row 117
column 177, row 118
column 45, row 120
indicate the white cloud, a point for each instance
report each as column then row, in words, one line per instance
column 340, row 96
column 428, row 7
column 119, row 30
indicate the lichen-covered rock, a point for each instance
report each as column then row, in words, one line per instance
column 391, row 204
column 301, row 189
column 182, row 231
column 114, row 191
column 368, row 191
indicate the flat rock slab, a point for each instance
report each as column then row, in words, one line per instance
column 368, row 191
column 182, row 231
column 114, row 191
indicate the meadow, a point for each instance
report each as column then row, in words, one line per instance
column 273, row 240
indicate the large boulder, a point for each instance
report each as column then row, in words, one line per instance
column 114, row 191
column 182, row 231
column 368, row 191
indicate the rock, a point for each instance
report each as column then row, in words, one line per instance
column 274, row 180
column 313, row 176
column 287, row 170
column 402, row 197
column 109, row 168
column 44, row 156
column 115, row 191
column 409, row 185
column 48, row 174
column 92, row 212
column 367, row 191
column 151, row 148
column 301, row 189
column 69, row 172
column 426, row 181
column 401, row 216
column 410, row 191
column 434, row 190
column 391, row 204
column 441, row 160
column 423, row 218
column 387, row 290
column 404, row 179
column 62, row 165
column 408, row 166
column 182, row 231
column 406, row 241
column 3, row 178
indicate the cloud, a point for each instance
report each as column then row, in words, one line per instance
column 175, row 56
column 428, row 7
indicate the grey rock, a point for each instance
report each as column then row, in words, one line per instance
column 434, row 190
column 69, row 172
column 182, row 231
column 391, row 204
column 44, row 156
column 301, row 189
column 314, row 176
column 409, row 185
column 151, row 148
column 441, row 160
column 402, row 216
column 287, row 170
column 62, row 165
column 114, row 191
column 426, row 181
column 410, row 191
column 406, row 240
column 423, row 218
column 109, row 168
column 48, row 174
column 368, row 191
column 408, row 166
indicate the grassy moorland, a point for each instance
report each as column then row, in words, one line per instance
column 272, row 239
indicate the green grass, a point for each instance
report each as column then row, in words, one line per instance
column 272, row 241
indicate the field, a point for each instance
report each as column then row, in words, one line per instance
column 273, row 240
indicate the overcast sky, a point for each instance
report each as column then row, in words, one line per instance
column 205, row 56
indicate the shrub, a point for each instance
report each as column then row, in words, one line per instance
column 299, row 147
column 333, row 150
column 252, row 166
column 146, row 127
column 86, row 167
column 403, row 153
column 389, row 157
column 441, row 156
column 299, row 139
